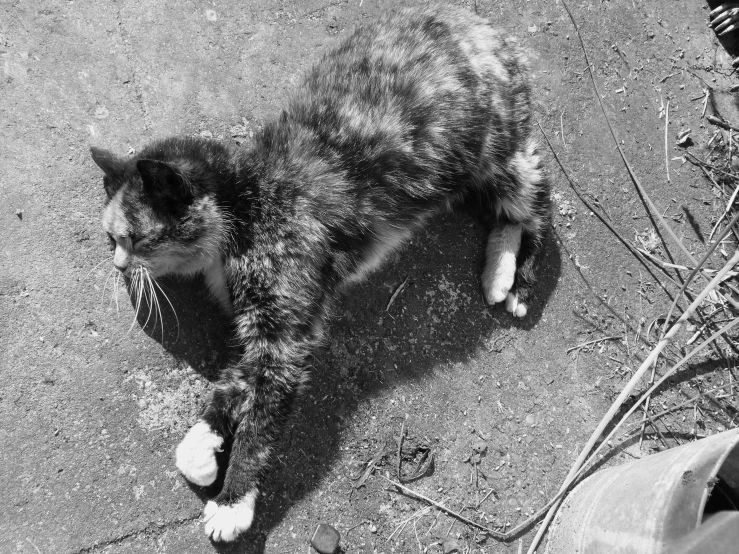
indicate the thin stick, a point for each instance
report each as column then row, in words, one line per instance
column 703, row 163
column 664, row 264
column 495, row 534
column 593, row 342
column 731, row 200
column 667, row 122
column 398, row 290
column 718, row 122
column 645, row 407
column 484, row 498
column 720, row 219
column 443, row 508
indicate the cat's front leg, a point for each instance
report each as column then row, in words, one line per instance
column 251, row 406
column 196, row 454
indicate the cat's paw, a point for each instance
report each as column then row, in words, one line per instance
column 196, row 454
column 516, row 307
column 225, row 522
column 499, row 282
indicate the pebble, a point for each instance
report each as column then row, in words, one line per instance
column 325, row 539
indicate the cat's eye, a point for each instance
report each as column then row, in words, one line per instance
column 111, row 242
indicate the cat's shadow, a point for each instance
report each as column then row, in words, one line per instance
column 438, row 317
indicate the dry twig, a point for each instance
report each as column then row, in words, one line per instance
column 667, row 158
column 398, row 290
column 506, row 536
column 619, row 337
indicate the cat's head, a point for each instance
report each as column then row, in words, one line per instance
column 161, row 212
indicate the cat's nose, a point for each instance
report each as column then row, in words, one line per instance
column 120, row 259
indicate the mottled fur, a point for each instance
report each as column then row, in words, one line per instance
column 423, row 111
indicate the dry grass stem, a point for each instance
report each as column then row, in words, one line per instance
column 398, row 290
column 667, row 122
column 579, row 346
column 506, row 536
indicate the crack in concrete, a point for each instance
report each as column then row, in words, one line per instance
column 155, row 529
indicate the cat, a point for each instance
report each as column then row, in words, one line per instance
column 425, row 110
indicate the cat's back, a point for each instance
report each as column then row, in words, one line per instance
column 434, row 50
column 435, row 75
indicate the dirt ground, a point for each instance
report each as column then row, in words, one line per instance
column 92, row 407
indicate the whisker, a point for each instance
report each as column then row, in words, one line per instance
column 105, row 286
column 155, row 303
column 177, row 319
column 137, row 291
column 98, row 265
column 157, row 307
column 144, row 280
column 116, row 291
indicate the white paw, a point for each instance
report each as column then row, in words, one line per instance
column 501, row 280
column 225, row 523
column 196, row 454
column 518, row 309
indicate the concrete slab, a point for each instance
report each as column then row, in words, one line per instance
column 91, row 406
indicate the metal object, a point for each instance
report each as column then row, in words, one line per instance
column 651, row 505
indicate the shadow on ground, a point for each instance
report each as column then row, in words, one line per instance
column 437, row 319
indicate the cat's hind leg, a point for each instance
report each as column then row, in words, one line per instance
column 522, row 216
column 504, row 240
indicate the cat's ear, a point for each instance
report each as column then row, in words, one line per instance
column 164, row 183
column 112, row 166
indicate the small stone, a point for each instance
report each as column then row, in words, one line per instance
column 530, row 419
column 372, row 528
column 19, row 213
column 325, row 539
